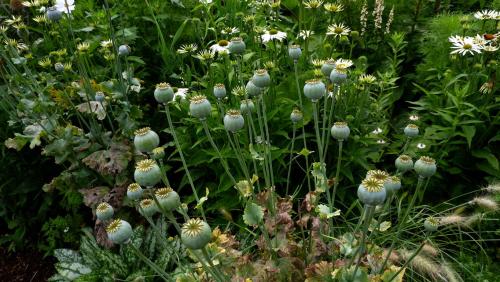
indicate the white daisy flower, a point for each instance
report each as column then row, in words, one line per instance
column 65, row 6
column 206, row 2
column 479, row 40
column 273, row 34
column 490, row 48
column 486, row 15
column 230, row 30
column 181, row 94
column 304, row 34
column 342, row 64
column 381, row 141
column 106, row 43
column 220, row 47
column 414, row 117
column 187, row 48
column 338, row 30
column 377, row 131
column 421, row 146
column 466, row 46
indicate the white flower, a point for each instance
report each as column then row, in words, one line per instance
column 220, row 47
column 206, row 2
column 414, row 117
column 421, row 146
column 486, row 15
column 230, row 30
column 187, row 48
column 304, row 34
column 106, row 43
column 380, row 141
column 273, row 34
column 65, row 6
column 338, row 30
column 377, row 131
column 479, row 40
column 181, row 93
column 342, row 64
column 490, row 48
column 465, row 46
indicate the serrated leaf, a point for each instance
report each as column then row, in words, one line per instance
column 253, row 214
column 67, row 255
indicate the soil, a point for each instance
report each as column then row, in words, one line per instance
column 25, row 265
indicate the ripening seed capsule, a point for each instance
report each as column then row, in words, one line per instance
column 314, row 89
column 53, row 14
column 252, row 89
column 236, row 46
column 168, row 198
column 148, row 207
column 392, row 184
column 404, row 163
column 261, row 78
column 246, row 106
column 124, row 50
column 158, row 153
column 147, row 173
column 146, row 140
column 340, row 131
column 328, row 67
column 200, row 107
column 119, row 231
column 196, row 234
column 219, row 90
column 425, row 166
column 294, row 52
column 233, row 121
column 104, row 211
column 164, row 93
column 134, row 191
column 372, row 192
column 99, row 96
column 431, row 224
column 411, row 130
column 59, row 67
column 338, row 76
column 296, row 115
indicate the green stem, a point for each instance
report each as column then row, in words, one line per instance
column 151, row 264
column 291, row 159
column 407, row 262
column 369, row 210
column 337, row 173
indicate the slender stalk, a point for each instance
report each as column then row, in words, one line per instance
column 369, row 210
column 151, row 264
column 316, row 127
column 291, row 159
column 407, row 262
column 209, row 260
column 268, row 142
column 163, row 174
column 337, row 173
column 206, row 267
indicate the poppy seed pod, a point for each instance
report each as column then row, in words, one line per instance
column 119, row 231
column 294, row 52
column 219, row 90
column 158, row 153
column 338, row 76
column 252, row 89
column 147, row 207
column 123, row 50
column 425, row 166
column 146, row 140
column 147, row 173
column 431, row 224
column 200, row 107
column 340, row 131
column 99, row 96
column 377, row 174
column 233, row 121
column 104, row 211
column 261, row 78
column 392, row 184
column 164, row 93
column 196, row 234
column 372, row 192
column 314, row 89
column 411, row 130
column 53, row 14
column 168, row 198
column 328, row 67
column 404, row 163
column 246, row 106
column 236, row 46
column 59, row 67
column 296, row 116
column 134, row 191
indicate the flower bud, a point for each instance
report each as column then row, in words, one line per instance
column 252, row 89
column 119, row 231
column 296, row 116
column 340, row 131
column 147, row 173
column 200, row 107
column 158, row 153
column 168, row 198
column 146, row 140
column 104, row 211
column 431, row 224
column 219, row 90
column 53, row 14
column 123, row 50
column 147, row 207
column 134, row 191
column 261, row 78
column 314, row 89
column 294, row 52
column 354, row 34
column 404, row 163
column 425, row 166
column 99, row 96
column 246, row 106
column 59, row 67
column 411, row 130
column 236, row 46
column 392, row 184
column 328, row 67
column 233, row 121
column 163, row 93
column 338, row 77
column 196, row 234
column 372, row 192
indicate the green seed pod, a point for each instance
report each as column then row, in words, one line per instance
column 164, row 93
column 294, row 52
column 378, row 175
column 355, row 34
column 99, row 96
column 200, row 107
column 261, row 78
column 158, row 153
column 344, row 40
column 219, row 90
column 124, row 50
column 168, row 198
column 392, row 184
column 340, row 131
column 246, row 106
column 404, row 163
column 328, row 67
column 425, row 166
column 338, row 76
column 147, row 173
column 146, row 140
column 252, row 89
column 314, row 89
column 53, row 14
column 236, row 46
column 134, row 191
column 431, row 224
column 296, row 115
column 59, row 67
column 104, row 211
column 411, row 130
column 233, row 121
column 372, row 192
column 148, row 207
column 119, row 231
column 196, row 234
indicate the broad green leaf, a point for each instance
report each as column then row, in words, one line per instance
column 485, row 154
column 469, row 132
column 253, row 214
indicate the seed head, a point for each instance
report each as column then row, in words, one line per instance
column 373, row 184
column 145, row 165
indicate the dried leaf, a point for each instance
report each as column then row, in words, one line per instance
column 112, row 161
column 93, row 107
column 91, row 197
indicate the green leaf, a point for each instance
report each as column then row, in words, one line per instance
column 253, row 214
column 67, row 255
column 485, row 154
column 178, row 33
column 469, row 132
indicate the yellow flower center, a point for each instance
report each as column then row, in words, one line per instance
column 145, row 165
column 114, row 226
column 192, row 227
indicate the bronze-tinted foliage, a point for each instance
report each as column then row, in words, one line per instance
column 112, row 161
